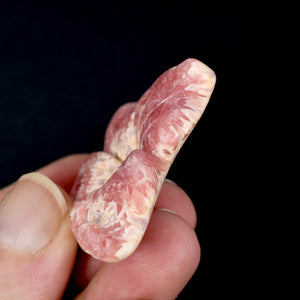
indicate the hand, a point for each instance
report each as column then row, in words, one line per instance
column 38, row 252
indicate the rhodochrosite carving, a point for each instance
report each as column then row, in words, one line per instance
column 115, row 190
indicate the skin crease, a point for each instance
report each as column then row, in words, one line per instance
column 162, row 252
column 112, row 209
column 151, row 265
column 169, row 251
column 171, row 195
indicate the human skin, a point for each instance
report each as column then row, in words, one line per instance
column 38, row 251
column 169, row 245
column 116, row 190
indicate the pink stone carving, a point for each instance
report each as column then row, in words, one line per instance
column 115, row 190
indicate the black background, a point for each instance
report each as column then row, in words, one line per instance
column 66, row 66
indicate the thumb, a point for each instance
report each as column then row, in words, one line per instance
column 37, row 247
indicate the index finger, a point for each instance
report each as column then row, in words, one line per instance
column 62, row 171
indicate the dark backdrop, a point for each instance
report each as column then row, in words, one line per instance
column 66, row 66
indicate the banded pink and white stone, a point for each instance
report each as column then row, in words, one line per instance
column 116, row 190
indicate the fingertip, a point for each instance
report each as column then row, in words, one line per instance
column 169, row 252
column 64, row 170
column 36, row 242
column 85, row 268
column 173, row 198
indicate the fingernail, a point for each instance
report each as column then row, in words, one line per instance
column 169, row 180
column 31, row 213
column 168, row 210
